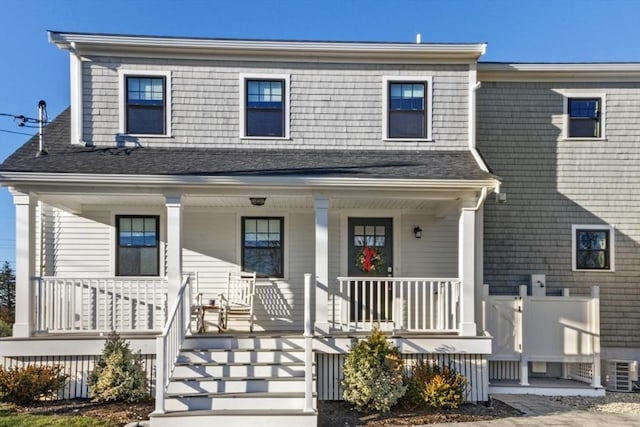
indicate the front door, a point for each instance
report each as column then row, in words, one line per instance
column 370, row 255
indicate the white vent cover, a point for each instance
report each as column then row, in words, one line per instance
column 620, row 375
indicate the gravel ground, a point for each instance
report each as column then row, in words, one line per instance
column 620, row 403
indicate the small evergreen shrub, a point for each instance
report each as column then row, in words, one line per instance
column 436, row 386
column 373, row 379
column 29, row 383
column 119, row 374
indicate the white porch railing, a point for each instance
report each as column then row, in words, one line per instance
column 168, row 344
column 101, row 304
column 410, row 304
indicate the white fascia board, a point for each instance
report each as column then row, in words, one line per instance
column 470, row 51
column 121, row 180
column 559, row 72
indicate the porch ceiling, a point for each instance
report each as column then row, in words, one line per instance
column 82, row 202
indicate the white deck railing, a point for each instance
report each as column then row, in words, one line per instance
column 396, row 303
column 101, row 304
column 168, row 344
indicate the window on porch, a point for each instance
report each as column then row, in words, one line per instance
column 263, row 245
column 137, row 245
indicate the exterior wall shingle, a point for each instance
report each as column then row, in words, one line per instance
column 333, row 106
column 552, row 183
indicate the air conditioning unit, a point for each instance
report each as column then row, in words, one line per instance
column 620, row 375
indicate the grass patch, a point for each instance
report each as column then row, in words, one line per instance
column 9, row 418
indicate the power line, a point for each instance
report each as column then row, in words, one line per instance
column 17, row 133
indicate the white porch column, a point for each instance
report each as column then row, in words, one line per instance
column 174, row 246
column 466, row 266
column 322, row 264
column 25, row 262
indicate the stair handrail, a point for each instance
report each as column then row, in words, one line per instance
column 169, row 343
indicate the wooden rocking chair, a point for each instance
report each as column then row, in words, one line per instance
column 238, row 301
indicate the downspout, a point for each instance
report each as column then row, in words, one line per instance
column 75, row 65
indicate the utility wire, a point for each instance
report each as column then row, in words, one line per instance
column 17, row 133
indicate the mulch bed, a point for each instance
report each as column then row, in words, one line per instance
column 330, row 413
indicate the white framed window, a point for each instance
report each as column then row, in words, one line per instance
column 592, row 248
column 264, row 106
column 145, row 102
column 407, row 108
column 137, row 245
column 584, row 115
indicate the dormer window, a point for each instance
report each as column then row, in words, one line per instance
column 145, row 103
column 264, row 106
column 407, row 108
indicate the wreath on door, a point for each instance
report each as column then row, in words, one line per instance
column 369, row 260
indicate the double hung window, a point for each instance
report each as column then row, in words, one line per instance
column 584, row 117
column 407, row 106
column 593, row 247
column 137, row 245
column 263, row 245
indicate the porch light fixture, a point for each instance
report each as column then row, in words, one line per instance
column 257, row 201
column 417, row 231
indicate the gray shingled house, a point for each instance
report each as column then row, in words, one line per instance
column 346, row 179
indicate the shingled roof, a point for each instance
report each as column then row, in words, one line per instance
column 65, row 157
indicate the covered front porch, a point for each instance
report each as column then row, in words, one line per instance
column 424, row 280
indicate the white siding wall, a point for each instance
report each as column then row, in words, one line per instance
column 333, row 106
column 436, row 253
column 77, row 245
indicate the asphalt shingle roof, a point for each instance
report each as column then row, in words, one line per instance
column 65, row 157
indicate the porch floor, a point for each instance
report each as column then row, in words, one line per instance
column 546, row 387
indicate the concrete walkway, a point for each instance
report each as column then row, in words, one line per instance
column 541, row 412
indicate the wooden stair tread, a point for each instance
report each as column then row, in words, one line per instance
column 239, row 395
column 229, row 412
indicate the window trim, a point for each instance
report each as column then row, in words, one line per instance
column 584, row 95
column 283, row 238
column 243, row 77
column 122, row 100
column 574, row 247
column 428, row 101
column 117, row 244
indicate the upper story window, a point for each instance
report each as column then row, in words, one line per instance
column 137, row 245
column 593, row 247
column 263, row 245
column 584, row 115
column 407, row 108
column 265, row 106
column 145, row 105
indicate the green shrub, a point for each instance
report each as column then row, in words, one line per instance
column 6, row 330
column 119, row 374
column 373, row 377
column 436, row 386
column 29, row 383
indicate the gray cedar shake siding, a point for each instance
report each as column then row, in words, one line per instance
column 333, row 105
column 553, row 183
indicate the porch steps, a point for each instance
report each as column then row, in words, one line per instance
column 247, row 380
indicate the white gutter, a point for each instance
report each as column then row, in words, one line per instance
column 41, row 178
column 588, row 72
column 474, row 85
column 64, row 41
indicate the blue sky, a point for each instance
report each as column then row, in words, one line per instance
column 515, row 30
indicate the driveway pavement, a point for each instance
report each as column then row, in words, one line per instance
column 541, row 412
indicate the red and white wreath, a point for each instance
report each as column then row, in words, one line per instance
column 369, row 260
